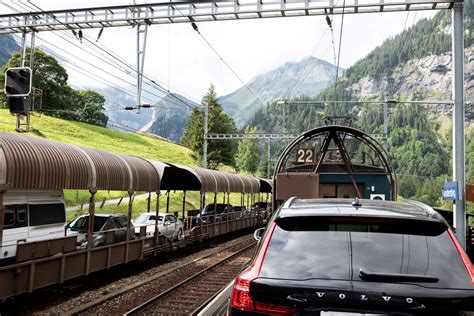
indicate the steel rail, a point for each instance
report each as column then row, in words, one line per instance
column 151, row 301
column 210, row 299
column 83, row 308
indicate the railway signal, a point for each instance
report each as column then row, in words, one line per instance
column 19, row 105
column 18, row 82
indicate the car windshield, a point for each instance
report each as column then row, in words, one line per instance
column 338, row 248
column 82, row 223
column 209, row 209
column 144, row 218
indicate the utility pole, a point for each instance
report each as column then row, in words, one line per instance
column 269, row 157
column 23, row 49
column 385, row 126
column 206, row 113
column 142, row 32
column 27, row 100
column 458, row 120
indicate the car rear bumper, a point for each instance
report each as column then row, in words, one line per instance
column 347, row 312
column 362, row 297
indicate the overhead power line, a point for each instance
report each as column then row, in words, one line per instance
column 114, row 56
column 339, row 50
column 195, row 27
column 231, row 69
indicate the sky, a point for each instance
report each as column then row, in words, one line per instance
column 182, row 61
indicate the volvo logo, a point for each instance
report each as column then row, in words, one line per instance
column 364, row 297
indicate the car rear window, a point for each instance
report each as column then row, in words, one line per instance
column 122, row 221
column 338, row 247
column 210, row 209
column 82, row 223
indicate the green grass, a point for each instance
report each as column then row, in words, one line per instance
column 92, row 136
column 141, row 205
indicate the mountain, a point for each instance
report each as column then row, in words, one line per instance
column 167, row 118
column 413, row 65
column 426, row 78
column 171, row 117
column 8, row 46
column 120, row 119
column 307, row 77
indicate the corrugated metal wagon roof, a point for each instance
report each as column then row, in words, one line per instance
column 33, row 163
column 206, row 180
column 266, row 185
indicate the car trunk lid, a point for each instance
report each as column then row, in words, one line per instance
column 367, row 264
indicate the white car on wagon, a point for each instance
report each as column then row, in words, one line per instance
column 32, row 215
column 168, row 225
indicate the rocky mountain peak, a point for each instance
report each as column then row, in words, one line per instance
column 308, row 77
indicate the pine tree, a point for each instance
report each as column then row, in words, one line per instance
column 218, row 151
column 248, row 156
column 263, row 166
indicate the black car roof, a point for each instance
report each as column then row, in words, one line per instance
column 368, row 208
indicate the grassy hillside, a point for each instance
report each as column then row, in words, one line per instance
column 82, row 134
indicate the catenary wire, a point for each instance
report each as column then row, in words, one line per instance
column 116, row 57
column 339, row 50
column 195, row 27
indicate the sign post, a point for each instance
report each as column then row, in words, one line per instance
column 451, row 191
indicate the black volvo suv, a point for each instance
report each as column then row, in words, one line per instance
column 342, row 257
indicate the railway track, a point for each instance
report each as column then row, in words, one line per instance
column 189, row 296
column 134, row 294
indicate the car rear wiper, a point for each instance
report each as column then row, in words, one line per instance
column 395, row 277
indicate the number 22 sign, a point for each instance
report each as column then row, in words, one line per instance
column 305, row 156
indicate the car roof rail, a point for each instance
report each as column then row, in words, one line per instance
column 428, row 209
column 288, row 202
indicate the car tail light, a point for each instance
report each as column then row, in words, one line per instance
column 465, row 259
column 241, row 296
column 274, row 310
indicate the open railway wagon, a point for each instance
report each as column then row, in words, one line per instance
column 34, row 165
column 334, row 162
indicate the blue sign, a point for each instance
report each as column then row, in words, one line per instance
column 450, row 191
